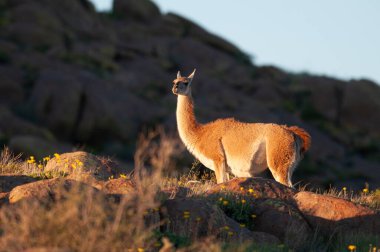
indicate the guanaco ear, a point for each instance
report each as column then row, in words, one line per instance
column 179, row 75
column 191, row 76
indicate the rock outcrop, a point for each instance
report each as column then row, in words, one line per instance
column 197, row 218
column 82, row 163
column 296, row 215
column 47, row 190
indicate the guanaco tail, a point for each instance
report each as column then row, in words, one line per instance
column 245, row 149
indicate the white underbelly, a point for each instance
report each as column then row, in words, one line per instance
column 259, row 158
column 249, row 164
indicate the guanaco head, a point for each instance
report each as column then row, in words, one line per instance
column 182, row 85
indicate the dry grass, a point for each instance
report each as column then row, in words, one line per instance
column 88, row 221
column 10, row 163
column 83, row 221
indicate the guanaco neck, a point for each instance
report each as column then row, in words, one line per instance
column 188, row 127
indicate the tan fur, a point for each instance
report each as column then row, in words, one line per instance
column 245, row 148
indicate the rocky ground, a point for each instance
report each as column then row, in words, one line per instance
column 41, row 213
column 72, row 78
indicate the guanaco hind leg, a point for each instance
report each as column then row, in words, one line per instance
column 282, row 164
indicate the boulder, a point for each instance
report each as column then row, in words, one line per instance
column 59, row 112
column 188, row 52
column 47, row 190
column 83, row 163
column 331, row 213
column 254, row 187
column 323, row 94
column 195, row 218
column 104, row 115
column 360, row 100
column 190, row 29
column 281, row 219
column 142, row 10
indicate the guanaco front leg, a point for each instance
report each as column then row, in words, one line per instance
column 220, row 171
column 221, row 166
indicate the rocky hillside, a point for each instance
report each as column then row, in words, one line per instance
column 74, row 78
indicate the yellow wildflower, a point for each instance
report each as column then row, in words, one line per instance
column 74, row 166
column 241, row 188
column 242, row 225
column 186, row 214
column 243, row 201
column 140, row 250
column 123, row 176
column 225, row 202
column 351, row 247
column 344, row 188
column 198, row 219
column 365, row 190
column 31, row 157
column 253, row 216
column 56, row 155
column 226, row 228
column 250, row 190
column 40, row 166
column 230, row 233
column 220, row 199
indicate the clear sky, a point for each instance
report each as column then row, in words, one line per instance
column 340, row 38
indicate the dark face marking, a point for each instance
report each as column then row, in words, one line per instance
column 180, row 85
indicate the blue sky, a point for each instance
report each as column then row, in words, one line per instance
column 339, row 38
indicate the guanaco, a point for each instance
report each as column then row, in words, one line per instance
column 244, row 149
